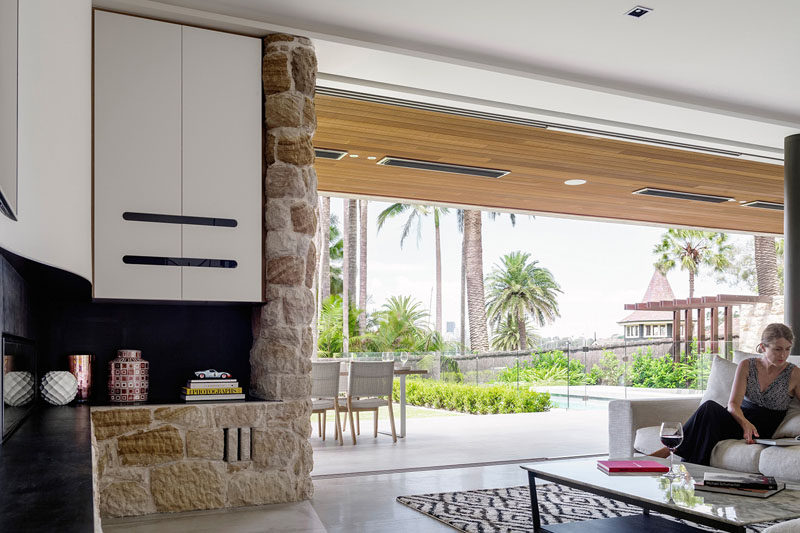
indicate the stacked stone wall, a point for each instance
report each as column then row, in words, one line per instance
column 154, row 459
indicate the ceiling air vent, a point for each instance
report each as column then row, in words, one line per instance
column 327, row 153
column 647, row 191
column 764, row 205
column 442, row 167
column 639, row 11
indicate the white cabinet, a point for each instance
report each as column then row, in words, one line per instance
column 178, row 196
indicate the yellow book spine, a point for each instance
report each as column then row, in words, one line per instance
column 227, row 390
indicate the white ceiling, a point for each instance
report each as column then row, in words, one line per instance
column 717, row 72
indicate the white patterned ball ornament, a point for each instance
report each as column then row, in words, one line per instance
column 18, row 388
column 59, row 387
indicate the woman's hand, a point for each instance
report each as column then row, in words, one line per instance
column 750, row 431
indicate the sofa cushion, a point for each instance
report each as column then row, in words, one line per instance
column 648, row 440
column 790, row 526
column 739, row 356
column 781, row 462
column 735, row 454
column 720, row 381
column 790, row 427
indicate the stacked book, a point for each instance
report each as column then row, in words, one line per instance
column 754, row 485
column 211, row 389
column 631, row 467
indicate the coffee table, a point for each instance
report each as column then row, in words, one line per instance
column 654, row 493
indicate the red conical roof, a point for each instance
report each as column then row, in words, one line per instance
column 658, row 289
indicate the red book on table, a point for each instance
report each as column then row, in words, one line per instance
column 631, row 466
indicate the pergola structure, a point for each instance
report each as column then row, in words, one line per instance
column 688, row 306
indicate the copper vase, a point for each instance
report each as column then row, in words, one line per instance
column 80, row 366
column 128, row 377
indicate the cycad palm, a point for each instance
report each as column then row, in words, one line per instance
column 401, row 326
column 416, row 213
column 521, row 289
column 691, row 249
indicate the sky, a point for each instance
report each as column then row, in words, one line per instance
column 600, row 266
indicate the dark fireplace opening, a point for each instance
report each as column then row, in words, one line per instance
column 19, row 381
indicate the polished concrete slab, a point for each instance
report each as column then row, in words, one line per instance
column 464, row 440
column 356, row 486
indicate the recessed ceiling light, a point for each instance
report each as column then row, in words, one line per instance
column 328, row 153
column 639, row 11
column 574, row 182
column 731, row 199
column 442, row 167
column 649, row 191
column 371, row 157
column 764, row 205
column 353, row 155
column 742, row 201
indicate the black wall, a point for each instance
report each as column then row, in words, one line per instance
column 175, row 338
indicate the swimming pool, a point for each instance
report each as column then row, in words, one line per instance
column 577, row 402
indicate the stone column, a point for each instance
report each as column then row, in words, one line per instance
column 283, row 342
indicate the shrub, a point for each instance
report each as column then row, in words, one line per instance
column 545, row 367
column 472, row 398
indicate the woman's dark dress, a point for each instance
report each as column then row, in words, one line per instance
column 712, row 423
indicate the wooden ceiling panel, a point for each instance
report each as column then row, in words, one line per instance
column 539, row 161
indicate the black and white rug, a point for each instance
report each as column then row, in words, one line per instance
column 509, row 510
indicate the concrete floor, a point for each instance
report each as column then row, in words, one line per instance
column 356, row 486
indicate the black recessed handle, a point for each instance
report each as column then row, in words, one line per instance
column 178, row 261
column 180, row 219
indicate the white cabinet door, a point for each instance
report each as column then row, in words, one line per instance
column 222, row 163
column 137, row 165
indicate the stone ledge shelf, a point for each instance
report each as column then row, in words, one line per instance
column 172, row 458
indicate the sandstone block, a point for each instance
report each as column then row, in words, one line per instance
column 274, row 448
column 113, row 422
column 298, row 306
column 125, row 498
column 284, row 110
column 304, row 70
column 286, row 270
column 280, row 358
column 150, row 447
column 260, row 488
column 275, row 73
column 304, row 219
column 307, row 346
column 277, row 215
column 310, row 180
column 188, row 486
column 311, row 264
column 296, row 150
column 309, row 114
column 272, row 314
column 244, row 443
column 295, row 387
column 302, row 426
column 281, row 243
column 270, row 149
column 188, row 416
column 287, row 334
column 205, row 443
column 238, row 415
column 289, row 410
column 278, row 37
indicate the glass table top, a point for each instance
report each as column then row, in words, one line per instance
column 678, row 493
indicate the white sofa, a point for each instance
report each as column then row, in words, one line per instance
column 633, row 426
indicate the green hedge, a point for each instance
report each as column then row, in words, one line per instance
column 473, row 399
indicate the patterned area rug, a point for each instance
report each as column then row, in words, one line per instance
column 509, row 510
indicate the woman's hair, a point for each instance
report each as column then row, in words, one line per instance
column 774, row 332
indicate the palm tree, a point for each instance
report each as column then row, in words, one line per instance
column 476, row 303
column 519, row 288
column 346, row 286
column 331, row 340
column 766, row 260
column 335, row 256
column 324, row 252
column 362, row 264
column 351, row 228
column 416, row 213
column 402, row 325
column 506, row 336
column 692, row 249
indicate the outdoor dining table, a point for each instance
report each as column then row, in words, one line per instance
column 402, row 372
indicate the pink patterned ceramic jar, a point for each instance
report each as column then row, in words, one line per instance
column 128, row 377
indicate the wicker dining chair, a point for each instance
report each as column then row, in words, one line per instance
column 324, row 395
column 369, row 386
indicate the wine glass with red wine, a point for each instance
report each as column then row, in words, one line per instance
column 671, row 437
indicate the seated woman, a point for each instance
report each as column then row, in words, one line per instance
column 762, row 389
